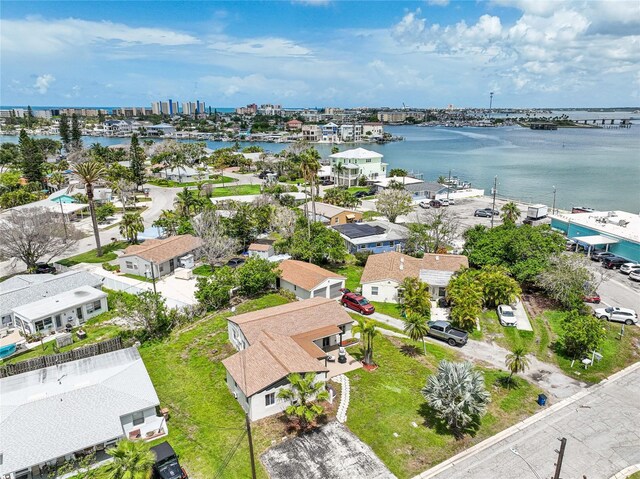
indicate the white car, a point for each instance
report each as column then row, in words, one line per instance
column 621, row 315
column 424, row 204
column 635, row 275
column 445, row 202
column 507, row 315
column 629, row 268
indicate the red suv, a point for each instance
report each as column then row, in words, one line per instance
column 357, row 303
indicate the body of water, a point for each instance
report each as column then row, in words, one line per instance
column 588, row 167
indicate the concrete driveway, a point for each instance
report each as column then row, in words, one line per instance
column 523, row 323
column 601, row 425
column 330, row 452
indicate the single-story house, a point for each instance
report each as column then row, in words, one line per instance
column 163, row 255
column 383, row 273
column 331, row 214
column 307, row 280
column 54, row 313
column 183, row 174
column 161, row 129
column 62, row 412
column 375, row 236
column 24, row 290
column 275, row 342
column 261, row 250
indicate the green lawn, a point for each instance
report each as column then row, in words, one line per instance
column 379, row 324
column 203, row 270
column 510, row 337
column 390, row 309
column 175, row 184
column 236, row 191
column 355, row 189
column 138, row 277
column 370, row 215
column 92, row 257
column 206, row 420
column 351, row 271
column 388, row 400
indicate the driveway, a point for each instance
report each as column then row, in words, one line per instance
column 330, row 452
column 162, row 199
column 523, row 323
column 601, row 425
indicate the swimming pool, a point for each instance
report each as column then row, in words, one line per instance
column 8, row 350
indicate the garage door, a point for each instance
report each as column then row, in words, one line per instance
column 320, row 292
column 334, row 290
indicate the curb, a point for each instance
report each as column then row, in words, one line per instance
column 626, row 472
column 449, row 463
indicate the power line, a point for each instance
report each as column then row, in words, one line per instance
column 229, row 455
column 515, row 451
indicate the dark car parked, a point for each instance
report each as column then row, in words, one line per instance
column 495, row 212
column 601, row 255
column 482, row 213
column 43, row 268
column 435, row 203
column 613, row 263
column 167, row 465
column 235, row 262
column 360, row 194
column 357, row 303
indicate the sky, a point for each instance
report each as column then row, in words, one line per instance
column 321, row 53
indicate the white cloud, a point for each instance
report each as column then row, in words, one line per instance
column 438, row 3
column 43, row 82
column 312, row 3
column 263, row 47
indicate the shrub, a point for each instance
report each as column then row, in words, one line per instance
column 362, row 257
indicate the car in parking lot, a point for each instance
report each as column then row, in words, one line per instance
column 357, row 303
column 494, row 212
column 424, row 204
column 507, row 315
column 600, row 255
column 445, row 202
column 435, row 203
column 592, row 298
column 622, row 315
column 613, row 263
column 635, row 275
column 629, row 268
column 482, row 213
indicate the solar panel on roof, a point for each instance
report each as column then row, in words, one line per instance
column 353, row 230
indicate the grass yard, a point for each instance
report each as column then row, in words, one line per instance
column 206, row 421
column 388, row 400
column 355, row 189
column 215, row 180
column 351, row 271
column 370, row 215
column 92, row 257
column 236, row 191
column 203, row 270
column 510, row 337
column 138, row 277
column 390, row 309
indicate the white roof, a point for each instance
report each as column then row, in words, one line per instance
column 60, row 302
column 54, row 411
column 356, row 153
column 436, row 277
column 620, row 224
column 595, row 240
column 403, row 180
column 297, row 195
column 52, row 206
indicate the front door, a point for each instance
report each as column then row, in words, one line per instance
column 172, row 265
column 326, row 342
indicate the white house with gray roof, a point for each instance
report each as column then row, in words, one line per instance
column 25, row 293
column 51, row 415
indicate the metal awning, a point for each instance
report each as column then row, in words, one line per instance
column 595, row 240
column 350, row 217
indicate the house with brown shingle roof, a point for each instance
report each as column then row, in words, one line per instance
column 275, row 342
column 332, row 214
column 384, row 272
column 163, row 255
column 307, row 280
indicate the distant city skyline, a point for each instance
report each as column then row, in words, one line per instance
column 317, row 53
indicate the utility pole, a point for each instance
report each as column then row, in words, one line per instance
column 253, row 463
column 153, row 278
column 449, row 183
column 553, row 208
column 64, row 223
column 563, row 443
column 494, row 191
column 490, row 104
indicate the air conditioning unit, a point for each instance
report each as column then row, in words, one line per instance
column 235, row 394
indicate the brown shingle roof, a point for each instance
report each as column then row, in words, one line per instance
column 305, row 275
column 327, row 210
column 259, row 247
column 267, row 361
column 159, row 251
column 388, row 265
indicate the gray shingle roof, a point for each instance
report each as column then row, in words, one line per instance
column 57, row 410
column 54, row 284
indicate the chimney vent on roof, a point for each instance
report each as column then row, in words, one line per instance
column 401, row 264
column 437, row 258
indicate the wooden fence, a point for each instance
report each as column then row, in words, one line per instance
column 53, row 359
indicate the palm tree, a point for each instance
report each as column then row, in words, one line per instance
column 187, row 200
column 168, row 221
column 415, row 326
column 309, row 166
column 442, row 179
column 122, row 188
column 338, row 170
column 510, row 213
column 130, row 226
column 416, row 297
column 57, row 179
column 302, row 393
column 457, row 394
column 368, row 332
column 516, row 361
column 90, row 172
column 131, row 460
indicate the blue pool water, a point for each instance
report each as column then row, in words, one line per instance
column 8, row 350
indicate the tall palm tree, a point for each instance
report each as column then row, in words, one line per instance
column 516, row 361
column 442, row 180
column 457, row 394
column 309, row 166
column 416, row 327
column 416, row 297
column 188, row 200
column 90, row 172
column 303, row 391
column 338, row 170
column 131, row 225
column 510, row 212
column 131, row 460
column 368, row 332
column 57, row 179
column 168, row 221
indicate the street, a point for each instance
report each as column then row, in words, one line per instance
column 601, row 425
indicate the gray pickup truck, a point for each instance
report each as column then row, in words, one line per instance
column 443, row 330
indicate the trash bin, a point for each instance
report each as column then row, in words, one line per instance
column 542, row 399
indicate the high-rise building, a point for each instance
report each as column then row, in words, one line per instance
column 165, row 107
column 193, row 107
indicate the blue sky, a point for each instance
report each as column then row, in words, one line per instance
column 432, row 53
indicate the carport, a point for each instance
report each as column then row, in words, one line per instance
column 590, row 242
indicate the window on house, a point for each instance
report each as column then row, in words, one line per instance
column 378, row 244
column 138, row 417
column 129, row 265
column 270, row 399
column 97, row 305
column 43, row 324
column 368, row 160
column 374, row 291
